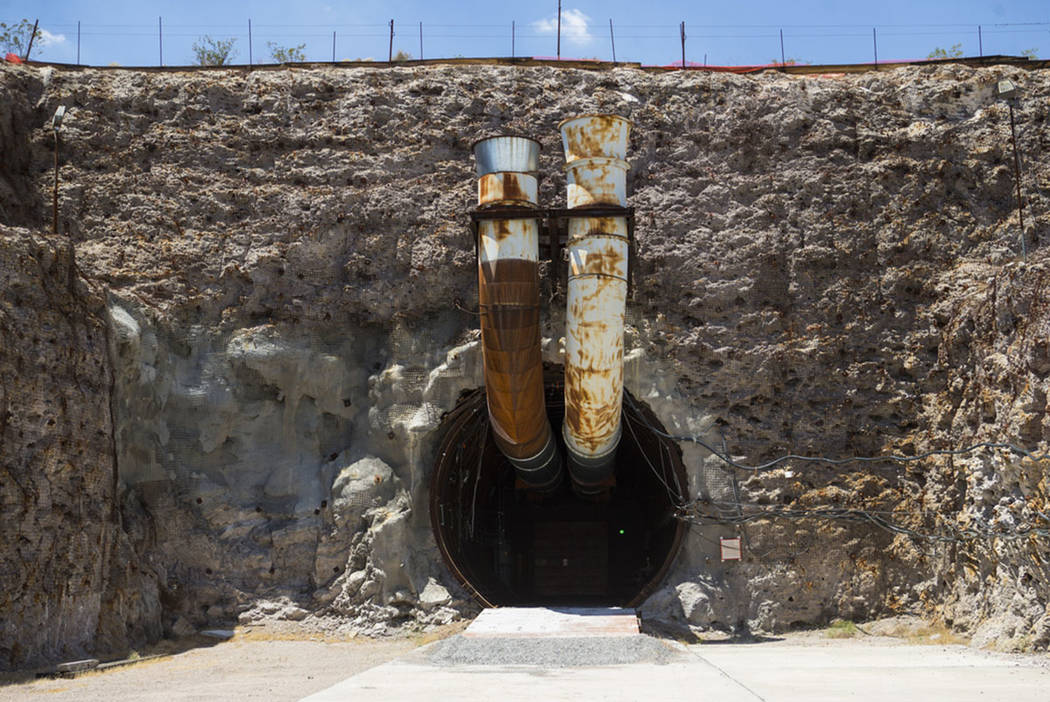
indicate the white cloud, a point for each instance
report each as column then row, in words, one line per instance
column 574, row 27
column 48, row 39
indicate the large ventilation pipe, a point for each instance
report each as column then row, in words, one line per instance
column 509, row 299
column 598, row 246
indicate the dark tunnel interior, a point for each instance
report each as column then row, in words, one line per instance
column 511, row 546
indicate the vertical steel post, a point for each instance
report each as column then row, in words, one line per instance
column 160, row 38
column 512, row 38
column 682, row 29
column 1017, row 180
column 559, row 30
column 980, row 42
column 420, row 41
column 31, row 38
column 875, row 43
column 612, row 40
column 333, row 46
column 249, row 41
column 54, row 194
column 783, row 59
column 390, row 52
column 78, row 42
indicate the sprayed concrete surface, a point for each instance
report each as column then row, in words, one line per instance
column 221, row 385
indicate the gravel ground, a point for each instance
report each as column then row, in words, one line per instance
column 551, row 652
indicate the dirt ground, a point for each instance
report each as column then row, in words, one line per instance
column 279, row 661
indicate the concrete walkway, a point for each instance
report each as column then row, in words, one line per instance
column 805, row 667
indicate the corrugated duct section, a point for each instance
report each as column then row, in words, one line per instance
column 509, row 300
column 598, row 247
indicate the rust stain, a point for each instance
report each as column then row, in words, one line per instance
column 486, row 188
column 509, row 297
column 512, row 188
column 590, row 138
column 608, row 261
column 500, row 188
column 591, row 426
column 500, row 231
column 597, row 182
column 592, row 419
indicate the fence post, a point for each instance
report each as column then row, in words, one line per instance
column 875, row 43
column 512, row 38
column 78, row 42
column 390, row 53
column 250, row 41
column 160, row 38
column 682, row 28
column 559, row 30
column 980, row 42
column 420, row 41
column 783, row 59
column 612, row 40
column 333, row 46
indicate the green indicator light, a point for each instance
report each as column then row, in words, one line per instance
column 621, row 532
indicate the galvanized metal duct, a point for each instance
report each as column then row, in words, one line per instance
column 598, row 247
column 509, row 299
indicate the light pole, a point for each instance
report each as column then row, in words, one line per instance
column 1008, row 90
column 56, row 122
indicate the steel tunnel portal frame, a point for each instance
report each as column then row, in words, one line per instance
column 508, row 525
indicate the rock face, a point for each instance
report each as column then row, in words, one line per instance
column 274, row 307
column 70, row 577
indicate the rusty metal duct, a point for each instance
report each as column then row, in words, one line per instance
column 509, row 299
column 598, row 247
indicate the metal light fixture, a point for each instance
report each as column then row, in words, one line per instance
column 1007, row 90
column 56, row 121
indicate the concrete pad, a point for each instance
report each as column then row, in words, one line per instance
column 879, row 669
column 811, row 670
column 687, row 680
column 572, row 622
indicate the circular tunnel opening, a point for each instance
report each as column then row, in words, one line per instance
column 511, row 546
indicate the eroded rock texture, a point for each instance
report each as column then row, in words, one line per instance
column 827, row 265
column 70, row 579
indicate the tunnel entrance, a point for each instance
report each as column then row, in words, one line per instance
column 510, row 546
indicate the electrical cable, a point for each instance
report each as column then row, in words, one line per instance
column 953, row 534
column 734, row 514
column 896, row 458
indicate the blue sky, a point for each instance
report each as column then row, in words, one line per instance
column 126, row 31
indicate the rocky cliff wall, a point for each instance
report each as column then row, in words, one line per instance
column 72, row 578
column 825, row 266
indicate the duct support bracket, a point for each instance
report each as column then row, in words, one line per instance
column 554, row 233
